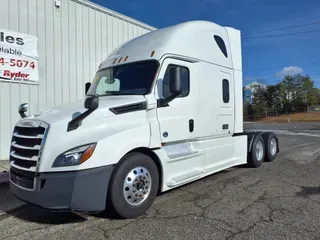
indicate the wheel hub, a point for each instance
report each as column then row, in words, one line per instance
column 273, row 146
column 259, row 151
column 140, row 186
column 137, row 185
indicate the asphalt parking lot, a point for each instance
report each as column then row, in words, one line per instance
column 280, row 200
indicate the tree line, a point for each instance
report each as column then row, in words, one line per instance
column 292, row 94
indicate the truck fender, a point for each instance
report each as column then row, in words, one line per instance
column 276, row 138
column 251, row 137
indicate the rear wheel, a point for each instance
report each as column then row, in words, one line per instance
column 133, row 186
column 257, row 154
column 271, row 146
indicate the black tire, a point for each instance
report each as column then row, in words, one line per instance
column 117, row 202
column 252, row 156
column 268, row 137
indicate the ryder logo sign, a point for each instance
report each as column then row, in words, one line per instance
column 18, row 57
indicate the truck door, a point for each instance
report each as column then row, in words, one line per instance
column 176, row 121
column 225, row 119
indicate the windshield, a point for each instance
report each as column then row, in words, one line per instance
column 127, row 79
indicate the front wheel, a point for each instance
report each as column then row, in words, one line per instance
column 133, row 186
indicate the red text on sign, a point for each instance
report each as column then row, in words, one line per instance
column 18, row 63
column 8, row 73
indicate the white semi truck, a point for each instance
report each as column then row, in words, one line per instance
column 163, row 110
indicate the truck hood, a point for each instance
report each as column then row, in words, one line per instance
column 111, row 126
column 69, row 111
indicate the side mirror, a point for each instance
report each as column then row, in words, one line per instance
column 87, row 86
column 91, row 103
column 175, row 81
column 175, row 86
column 22, row 109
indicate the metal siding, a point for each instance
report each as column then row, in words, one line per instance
column 85, row 39
column 72, row 42
column 49, row 56
column 42, row 50
column 65, row 52
column 104, row 36
column 98, row 39
column 109, row 29
column 72, row 53
column 79, row 54
column 115, row 32
column 57, row 58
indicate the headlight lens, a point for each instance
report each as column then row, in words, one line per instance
column 74, row 156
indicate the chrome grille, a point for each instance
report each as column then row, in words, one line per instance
column 27, row 144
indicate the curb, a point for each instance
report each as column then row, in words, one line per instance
column 4, row 177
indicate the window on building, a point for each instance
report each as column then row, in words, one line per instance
column 221, row 45
column 225, row 91
column 185, row 82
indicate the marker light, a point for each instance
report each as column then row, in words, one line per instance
column 88, row 153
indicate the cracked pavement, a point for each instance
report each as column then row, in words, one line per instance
column 280, row 200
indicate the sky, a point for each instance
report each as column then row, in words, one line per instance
column 267, row 58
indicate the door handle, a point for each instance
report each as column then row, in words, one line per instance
column 191, row 125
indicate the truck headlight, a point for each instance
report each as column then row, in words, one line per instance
column 74, row 156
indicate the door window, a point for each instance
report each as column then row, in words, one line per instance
column 185, row 82
column 225, row 91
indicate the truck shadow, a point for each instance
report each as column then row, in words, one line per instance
column 10, row 206
column 113, row 216
column 35, row 214
column 308, row 191
column 213, row 177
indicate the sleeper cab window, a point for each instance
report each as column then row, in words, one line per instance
column 185, row 82
column 225, row 91
column 221, row 45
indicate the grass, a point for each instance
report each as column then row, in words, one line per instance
column 295, row 117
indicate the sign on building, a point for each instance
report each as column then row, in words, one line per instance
column 18, row 57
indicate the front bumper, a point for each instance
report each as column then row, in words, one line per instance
column 83, row 191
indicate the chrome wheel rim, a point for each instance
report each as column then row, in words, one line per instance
column 273, row 146
column 259, row 151
column 137, row 186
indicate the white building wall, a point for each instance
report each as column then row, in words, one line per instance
column 72, row 41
